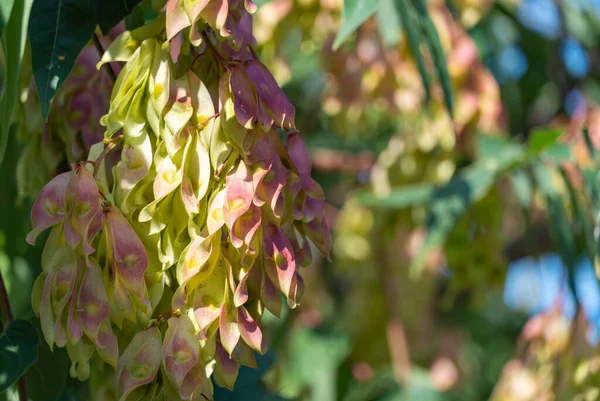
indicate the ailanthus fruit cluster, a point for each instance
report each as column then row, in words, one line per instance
column 158, row 269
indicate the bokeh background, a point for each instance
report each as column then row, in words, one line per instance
column 465, row 241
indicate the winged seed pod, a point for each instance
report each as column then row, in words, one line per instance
column 209, row 219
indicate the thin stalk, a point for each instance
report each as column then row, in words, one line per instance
column 100, row 49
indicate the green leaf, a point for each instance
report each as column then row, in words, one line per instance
column 5, row 9
column 581, row 221
column 13, row 43
column 18, row 351
column 411, row 24
column 355, row 12
column 522, row 187
column 47, row 378
column 560, row 228
column 451, row 201
column 400, row 197
column 312, row 362
column 388, row 22
column 557, row 152
column 110, row 12
column 497, row 148
column 58, row 32
column 437, row 53
column 142, row 14
column 539, row 139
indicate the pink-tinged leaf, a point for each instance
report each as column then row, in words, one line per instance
column 250, row 331
column 168, row 178
column 301, row 250
column 36, row 293
column 279, row 253
column 139, row 363
column 193, row 382
column 240, row 296
column 202, row 102
column 226, row 368
column 129, row 258
column 311, row 187
column 298, row 206
column 216, row 214
column 298, row 153
column 177, row 18
column 296, row 291
column 250, row 6
column 95, row 226
column 49, row 207
column 47, row 316
column 245, row 227
column 216, row 13
column 193, row 10
column 92, row 301
column 270, row 296
column 239, row 194
column 80, row 354
column 133, row 167
column 180, row 350
column 66, row 264
column 106, row 344
column 273, row 102
column 197, row 257
column 209, row 297
column 314, row 208
column 74, row 330
column 244, row 97
column 196, row 174
column 180, row 112
column 84, row 209
column 320, row 235
column 228, row 327
column 244, row 355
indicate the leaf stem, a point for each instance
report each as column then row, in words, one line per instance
column 5, row 304
column 109, row 70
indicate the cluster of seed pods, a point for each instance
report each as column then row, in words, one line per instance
column 163, row 265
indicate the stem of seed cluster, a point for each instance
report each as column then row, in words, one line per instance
column 5, row 303
column 100, row 49
column 8, row 318
column 108, row 147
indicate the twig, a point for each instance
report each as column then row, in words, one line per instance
column 108, row 147
column 100, row 49
column 396, row 332
column 5, row 303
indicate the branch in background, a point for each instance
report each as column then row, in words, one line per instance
column 395, row 330
column 341, row 160
column 107, row 66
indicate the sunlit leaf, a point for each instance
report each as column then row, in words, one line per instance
column 13, row 43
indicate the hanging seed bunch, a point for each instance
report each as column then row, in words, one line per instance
column 162, row 277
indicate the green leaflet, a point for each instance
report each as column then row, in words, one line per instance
column 13, row 43
column 437, row 53
column 59, row 30
column 5, row 9
column 355, row 12
column 409, row 18
column 18, row 351
column 110, row 12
